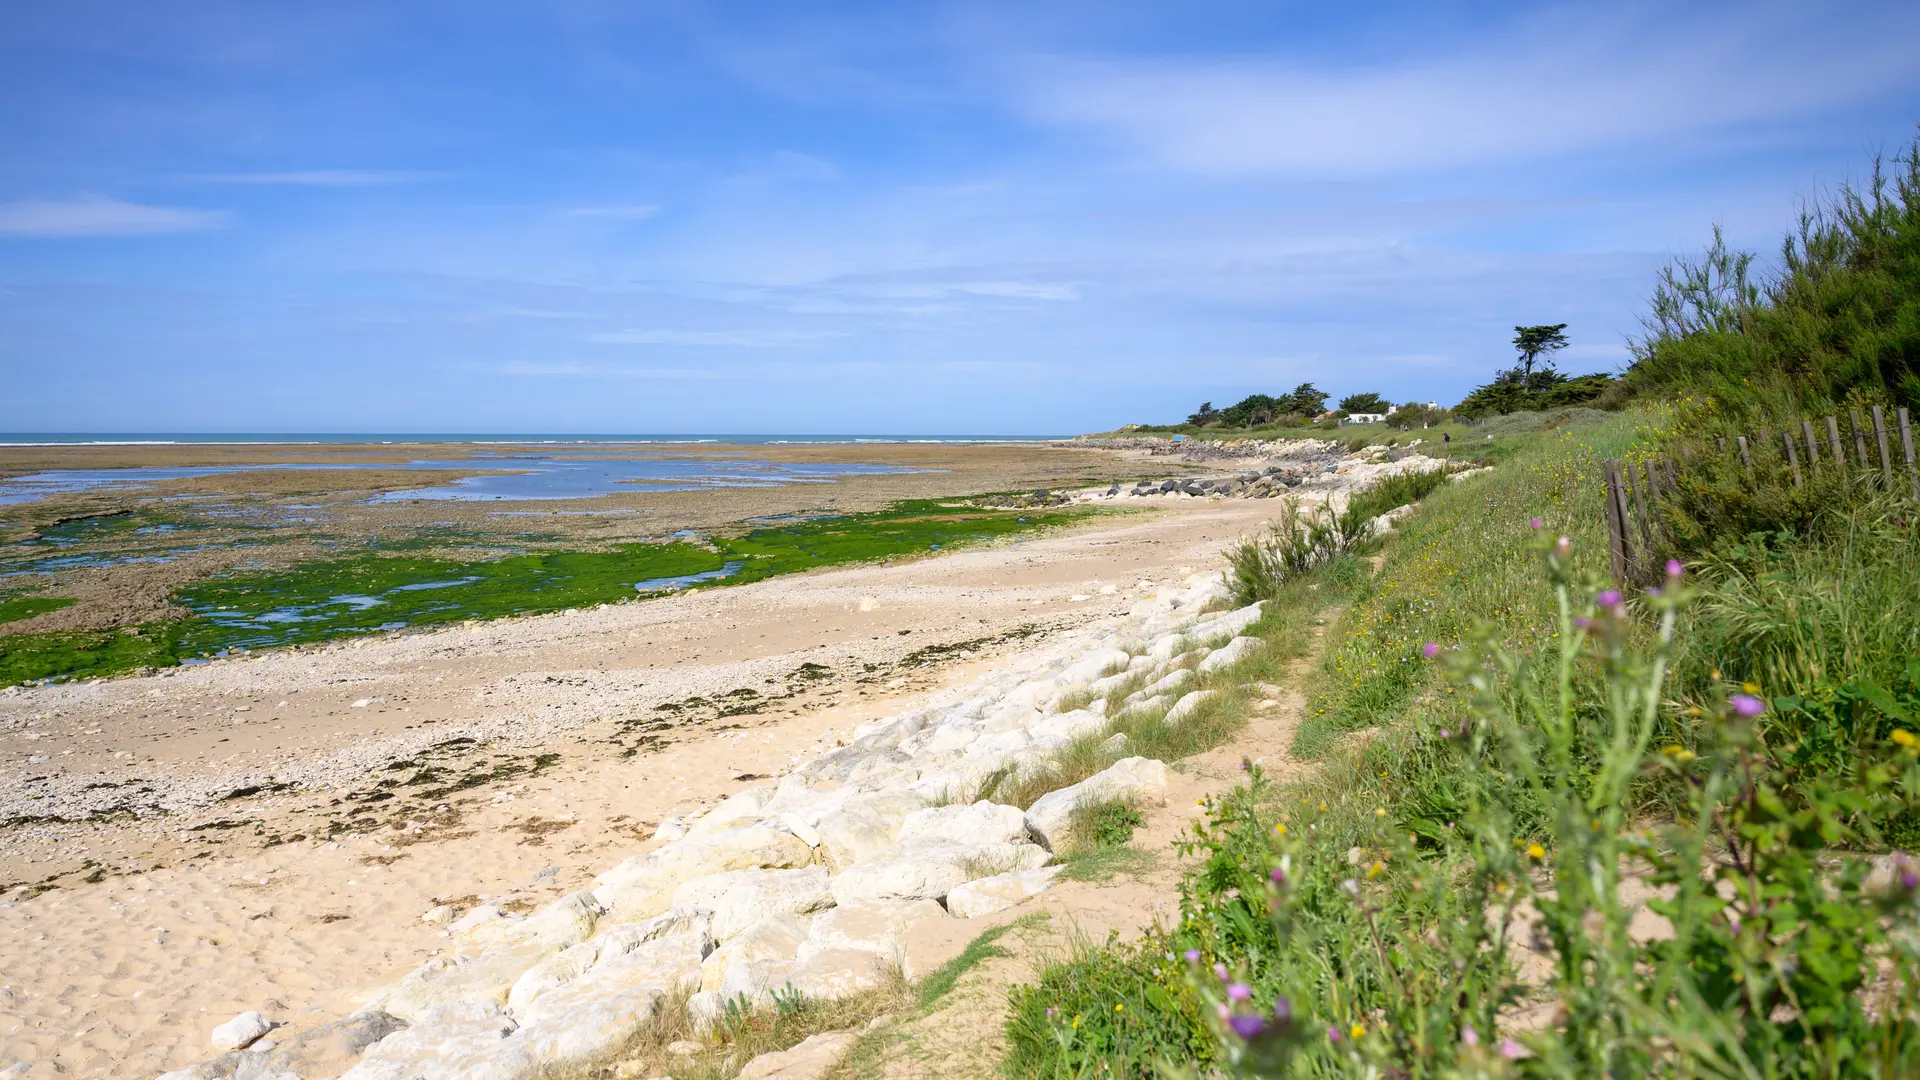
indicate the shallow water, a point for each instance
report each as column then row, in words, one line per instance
column 684, row 580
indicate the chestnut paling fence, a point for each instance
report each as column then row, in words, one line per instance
column 1635, row 488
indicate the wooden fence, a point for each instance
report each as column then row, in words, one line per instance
column 1635, row 488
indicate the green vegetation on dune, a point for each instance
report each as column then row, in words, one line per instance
column 331, row 598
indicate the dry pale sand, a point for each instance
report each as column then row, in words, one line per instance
column 176, row 907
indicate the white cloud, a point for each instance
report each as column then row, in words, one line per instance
column 97, row 215
column 316, row 177
column 747, row 339
column 565, row 369
column 635, row 212
column 1561, row 84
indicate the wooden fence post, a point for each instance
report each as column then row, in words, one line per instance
column 1746, row 458
column 1906, row 446
column 1813, row 448
column 1833, row 444
column 1793, row 459
column 1616, row 528
column 1637, row 481
column 1886, row 459
column 1859, row 436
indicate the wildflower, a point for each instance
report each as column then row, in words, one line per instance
column 1906, row 738
column 1511, row 1050
column 1283, row 1009
column 1333, row 1034
column 1608, row 598
column 1280, row 829
column 1675, row 569
column 1278, row 874
column 1192, row 955
column 1051, row 1011
column 1469, row 1036
column 1119, row 1008
column 1357, row 1030
column 1247, row 1026
column 1220, row 972
column 1239, row 992
column 1536, row 851
column 1430, row 650
column 1535, row 523
column 1746, row 706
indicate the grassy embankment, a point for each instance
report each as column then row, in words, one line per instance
column 333, row 598
column 1504, row 739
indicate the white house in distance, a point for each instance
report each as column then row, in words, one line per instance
column 1381, row 418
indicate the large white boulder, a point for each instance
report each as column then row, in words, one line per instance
column 567, row 921
column 810, row 1060
column 570, row 964
column 1134, row 779
column 240, row 1031
column 736, row 810
column 1171, row 683
column 1230, row 654
column 444, row 1042
column 1065, row 727
column 1189, row 704
column 744, row 897
column 1221, row 627
column 777, row 937
column 865, row 826
column 890, row 929
column 982, row 822
column 457, row 978
column 663, row 965
column 1094, row 665
column 838, row 973
column 642, row 887
column 932, row 870
column 988, row 895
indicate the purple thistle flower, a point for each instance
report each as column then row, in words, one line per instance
column 1469, row 1036
column 1333, row 1034
column 1608, row 598
column 1511, row 1050
column 1653, row 590
column 1283, row 1009
column 1746, row 706
column 1220, row 972
column 1910, row 881
column 1192, row 955
column 1564, row 545
column 1239, row 992
column 1278, row 874
column 1247, row 1026
column 1430, row 650
column 1675, row 569
column 1535, row 523
column 1582, row 622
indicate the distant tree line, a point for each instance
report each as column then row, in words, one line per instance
column 1532, row 383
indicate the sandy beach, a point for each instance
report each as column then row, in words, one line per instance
column 221, row 837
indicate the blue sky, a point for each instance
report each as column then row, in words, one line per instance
column 892, row 217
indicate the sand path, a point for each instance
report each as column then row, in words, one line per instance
column 299, row 901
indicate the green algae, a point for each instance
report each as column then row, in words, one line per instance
column 15, row 608
column 346, row 596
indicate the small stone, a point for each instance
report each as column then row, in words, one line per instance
column 241, row 1031
column 439, row 916
column 683, row 1048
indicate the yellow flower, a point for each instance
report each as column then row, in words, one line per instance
column 1119, row 1008
column 1750, row 687
column 1905, row 738
column 1536, row 851
column 1280, row 830
column 1380, row 812
column 1357, row 1030
column 1376, row 869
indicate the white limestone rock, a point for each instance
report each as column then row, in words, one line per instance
column 241, row 1031
column 982, row 822
column 737, row 809
column 567, row 921
column 445, row 1042
column 744, row 897
column 1134, row 779
column 574, row 962
column 1188, row 704
column 932, row 870
column 663, row 965
column 890, row 929
column 643, row 886
column 865, row 826
column 810, row 1060
column 1221, row 627
column 1230, row 654
column 988, row 895
column 837, row 973
column 458, row 978
column 777, row 937
column 1067, row 726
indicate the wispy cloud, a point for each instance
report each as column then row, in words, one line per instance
column 633, row 212
column 1564, row 83
column 541, row 369
column 317, row 177
column 97, row 215
column 744, row 339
